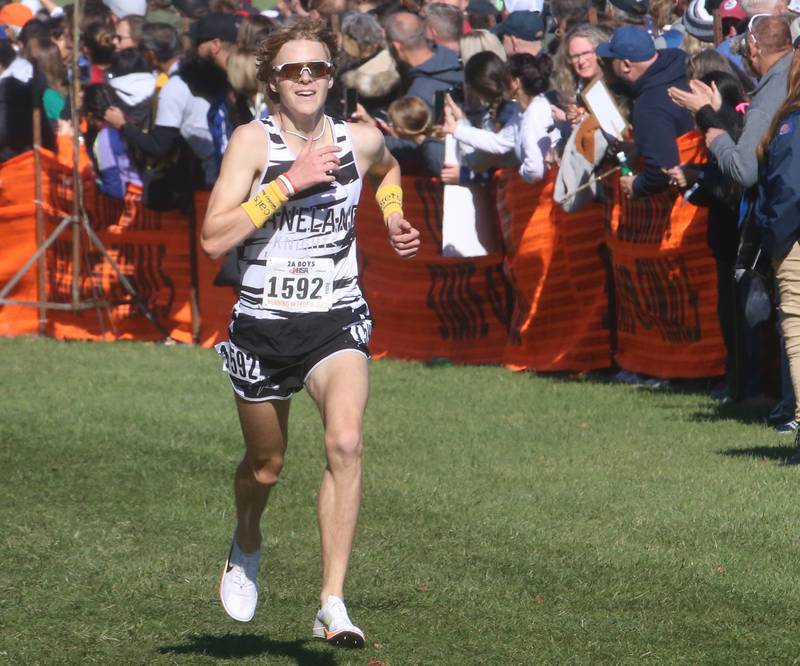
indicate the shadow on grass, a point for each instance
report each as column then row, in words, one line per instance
column 748, row 411
column 233, row 646
column 761, row 452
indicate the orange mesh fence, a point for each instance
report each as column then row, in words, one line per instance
column 555, row 263
column 431, row 306
column 665, row 281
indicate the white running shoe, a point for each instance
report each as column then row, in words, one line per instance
column 333, row 625
column 238, row 589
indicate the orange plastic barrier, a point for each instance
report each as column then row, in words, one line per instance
column 555, row 264
column 150, row 248
column 431, row 306
column 18, row 231
column 215, row 302
column 665, row 282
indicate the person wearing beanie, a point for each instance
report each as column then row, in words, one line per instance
column 698, row 22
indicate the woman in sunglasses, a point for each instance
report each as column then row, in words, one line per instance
column 287, row 196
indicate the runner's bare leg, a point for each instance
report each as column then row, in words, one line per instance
column 340, row 387
column 265, row 426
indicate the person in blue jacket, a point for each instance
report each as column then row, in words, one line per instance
column 777, row 214
column 657, row 121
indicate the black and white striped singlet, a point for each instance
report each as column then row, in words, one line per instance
column 304, row 258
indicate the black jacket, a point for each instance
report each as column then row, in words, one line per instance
column 658, row 121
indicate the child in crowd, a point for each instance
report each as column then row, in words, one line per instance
column 411, row 118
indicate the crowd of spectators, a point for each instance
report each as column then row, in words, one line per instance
column 162, row 84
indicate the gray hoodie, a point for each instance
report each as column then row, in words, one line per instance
column 739, row 160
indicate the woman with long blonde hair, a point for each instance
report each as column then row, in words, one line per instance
column 575, row 64
column 777, row 214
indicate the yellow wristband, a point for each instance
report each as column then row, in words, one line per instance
column 390, row 200
column 265, row 204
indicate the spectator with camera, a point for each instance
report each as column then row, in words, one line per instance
column 530, row 132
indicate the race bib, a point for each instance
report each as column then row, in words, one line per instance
column 239, row 363
column 298, row 285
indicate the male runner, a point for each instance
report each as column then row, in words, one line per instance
column 287, row 194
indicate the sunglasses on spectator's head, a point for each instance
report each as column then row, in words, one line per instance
column 751, row 24
column 293, row 71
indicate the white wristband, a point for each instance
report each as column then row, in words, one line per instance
column 287, row 184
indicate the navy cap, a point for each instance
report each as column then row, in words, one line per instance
column 528, row 26
column 214, row 26
column 628, row 43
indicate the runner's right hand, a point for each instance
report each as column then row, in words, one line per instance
column 314, row 166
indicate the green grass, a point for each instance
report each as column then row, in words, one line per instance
column 508, row 519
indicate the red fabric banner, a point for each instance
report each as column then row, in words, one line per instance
column 542, row 306
column 665, row 282
column 430, row 306
column 559, row 280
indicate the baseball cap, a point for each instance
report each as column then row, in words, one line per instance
column 15, row 14
column 732, row 9
column 527, row 26
column 636, row 7
column 628, row 43
column 214, row 26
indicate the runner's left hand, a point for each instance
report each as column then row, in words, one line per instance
column 403, row 238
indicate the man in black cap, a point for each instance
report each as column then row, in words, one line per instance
column 214, row 37
column 657, row 121
column 521, row 32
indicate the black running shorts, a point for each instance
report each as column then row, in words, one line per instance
column 272, row 360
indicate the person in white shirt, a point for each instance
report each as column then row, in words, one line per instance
column 530, row 133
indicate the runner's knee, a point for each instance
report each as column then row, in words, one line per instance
column 343, row 445
column 264, row 471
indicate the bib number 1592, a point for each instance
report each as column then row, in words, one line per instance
column 294, row 287
column 298, row 285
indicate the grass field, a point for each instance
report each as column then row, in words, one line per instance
column 508, row 519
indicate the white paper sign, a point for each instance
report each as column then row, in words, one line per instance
column 603, row 107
